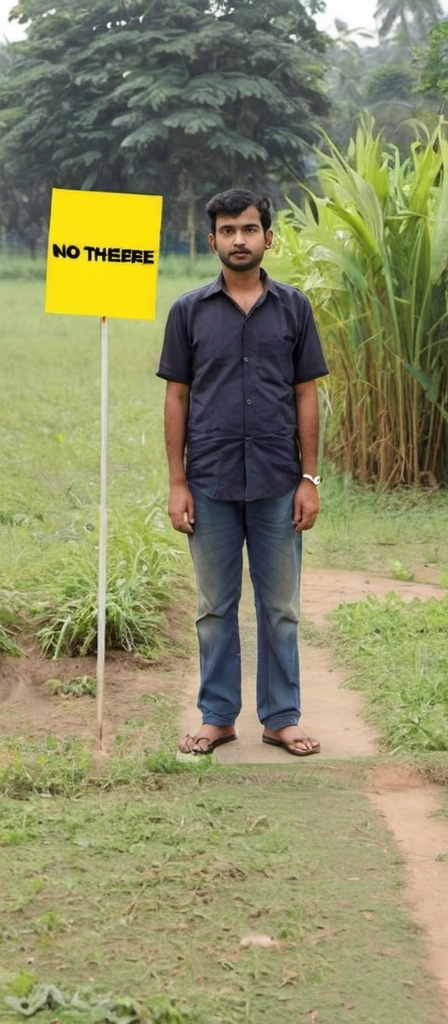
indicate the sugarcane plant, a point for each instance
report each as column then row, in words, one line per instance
column 370, row 248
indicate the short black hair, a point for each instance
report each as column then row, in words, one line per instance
column 234, row 201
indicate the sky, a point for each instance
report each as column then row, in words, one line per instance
column 356, row 14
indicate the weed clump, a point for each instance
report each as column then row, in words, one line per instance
column 80, row 686
column 55, row 768
column 141, row 573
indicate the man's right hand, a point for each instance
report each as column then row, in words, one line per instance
column 181, row 508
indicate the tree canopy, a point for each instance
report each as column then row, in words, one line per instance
column 433, row 62
column 411, row 18
column 180, row 97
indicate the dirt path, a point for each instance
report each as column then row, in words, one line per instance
column 334, row 715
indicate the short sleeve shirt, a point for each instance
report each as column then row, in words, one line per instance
column 241, row 370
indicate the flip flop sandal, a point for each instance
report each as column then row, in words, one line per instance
column 292, row 749
column 211, row 744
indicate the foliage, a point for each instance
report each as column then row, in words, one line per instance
column 10, row 607
column 432, row 61
column 80, row 686
column 179, row 97
column 7, row 644
column 371, row 252
column 101, row 1010
column 56, row 767
column 139, row 581
column 390, row 81
column 399, row 655
column 346, row 74
column 383, row 79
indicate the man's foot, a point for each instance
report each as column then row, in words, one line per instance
column 293, row 740
column 207, row 738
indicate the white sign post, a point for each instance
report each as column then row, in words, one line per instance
column 102, row 558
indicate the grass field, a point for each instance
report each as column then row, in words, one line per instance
column 143, row 892
column 217, row 897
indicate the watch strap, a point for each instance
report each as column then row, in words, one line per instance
column 314, row 479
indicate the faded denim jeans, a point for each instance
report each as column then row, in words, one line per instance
column 274, row 552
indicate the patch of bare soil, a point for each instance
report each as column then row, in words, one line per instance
column 29, row 708
column 325, row 589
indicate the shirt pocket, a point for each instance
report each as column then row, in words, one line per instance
column 275, row 361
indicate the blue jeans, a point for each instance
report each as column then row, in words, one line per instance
column 274, row 553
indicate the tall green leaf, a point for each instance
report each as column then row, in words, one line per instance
column 371, row 249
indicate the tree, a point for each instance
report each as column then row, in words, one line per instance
column 414, row 17
column 345, row 80
column 56, row 97
column 163, row 95
column 238, row 85
column 381, row 79
column 393, row 99
column 432, row 62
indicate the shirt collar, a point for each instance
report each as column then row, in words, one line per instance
column 217, row 285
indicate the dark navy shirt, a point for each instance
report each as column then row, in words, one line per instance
column 241, row 369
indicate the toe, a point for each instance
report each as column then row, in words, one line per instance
column 186, row 744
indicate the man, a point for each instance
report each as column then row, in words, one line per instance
column 241, row 356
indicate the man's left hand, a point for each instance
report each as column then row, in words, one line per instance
column 305, row 506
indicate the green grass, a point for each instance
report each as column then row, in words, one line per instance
column 142, row 569
column 10, row 606
column 398, row 656
column 156, row 895
column 69, row 767
column 80, row 686
column 402, row 534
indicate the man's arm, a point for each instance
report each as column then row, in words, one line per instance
column 180, row 504
column 306, row 498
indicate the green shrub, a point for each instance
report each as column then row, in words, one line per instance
column 140, row 575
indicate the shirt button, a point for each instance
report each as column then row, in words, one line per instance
column 246, row 359
column 248, row 401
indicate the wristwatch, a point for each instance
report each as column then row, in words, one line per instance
column 314, row 479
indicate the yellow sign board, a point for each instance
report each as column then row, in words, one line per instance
column 103, row 251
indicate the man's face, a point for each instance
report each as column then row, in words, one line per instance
column 240, row 241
